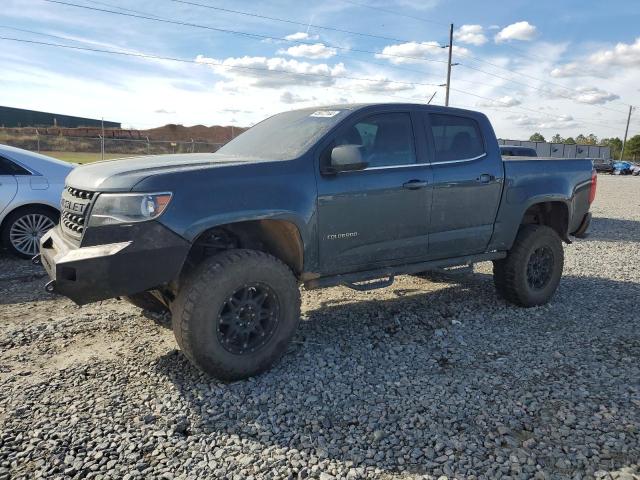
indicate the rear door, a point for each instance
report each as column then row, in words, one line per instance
column 8, row 183
column 467, row 185
column 379, row 215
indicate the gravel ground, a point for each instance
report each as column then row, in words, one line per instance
column 420, row 380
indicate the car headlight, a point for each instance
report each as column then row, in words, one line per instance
column 116, row 208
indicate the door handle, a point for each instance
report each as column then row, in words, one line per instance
column 486, row 178
column 414, row 184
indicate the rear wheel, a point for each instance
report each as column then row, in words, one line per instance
column 530, row 274
column 24, row 228
column 236, row 313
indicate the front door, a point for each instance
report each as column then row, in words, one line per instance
column 379, row 215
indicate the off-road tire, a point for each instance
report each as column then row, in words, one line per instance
column 510, row 273
column 202, row 296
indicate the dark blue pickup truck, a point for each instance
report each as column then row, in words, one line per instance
column 340, row 195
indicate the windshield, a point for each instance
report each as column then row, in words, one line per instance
column 284, row 136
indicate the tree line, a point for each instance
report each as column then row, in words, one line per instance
column 631, row 150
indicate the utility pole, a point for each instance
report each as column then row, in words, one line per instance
column 626, row 132
column 446, row 98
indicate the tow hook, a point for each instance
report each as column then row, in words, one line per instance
column 37, row 260
column 50, row 287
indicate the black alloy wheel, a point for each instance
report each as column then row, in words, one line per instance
column 540, row 268
column 248, row 319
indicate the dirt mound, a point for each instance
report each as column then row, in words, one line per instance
column 215, row 133
column 172, row 132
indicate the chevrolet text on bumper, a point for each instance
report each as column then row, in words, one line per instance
column 93, row 273
column 343, row 195
column 107, row 262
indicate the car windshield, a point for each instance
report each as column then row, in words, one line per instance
column 284, row 136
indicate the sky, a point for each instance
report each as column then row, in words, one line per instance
column 561, row 66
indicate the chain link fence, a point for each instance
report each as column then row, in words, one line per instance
column 87, row 149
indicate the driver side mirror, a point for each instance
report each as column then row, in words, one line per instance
column 346, row 158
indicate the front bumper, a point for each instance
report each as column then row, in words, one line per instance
column 151, row 256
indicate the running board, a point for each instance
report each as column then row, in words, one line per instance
column 368, row 285
column 387, row 273
column 457, row 270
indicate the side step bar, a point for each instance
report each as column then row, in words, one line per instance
column 366, row 286
column 388, row 273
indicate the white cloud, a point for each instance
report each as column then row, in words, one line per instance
column 623, row 54
column 288, row 98
column 558, row 123
column 505, row 101
column 415, row 4
column 493, row 27
column 273, row 72
column 315, row 51
column 301, row 36
column 594, row 96
column 398, row 54
column 516, row 31
column 562, row 121
column 572, row 69
column 380, row 84
column 471, row 34
column 600, row 63
column 164, row 111
column 587, row 95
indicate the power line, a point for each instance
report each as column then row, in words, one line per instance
column 540, row 58
column 24, row 30
column 395, row 12
column 217, row 64
column 525, row 109
column 252, row 35
column 291, row 22
column 396, row 67
column 235, row 32
column 286, row 73
column 121, row 8
column 520, row 73
column 536, row 88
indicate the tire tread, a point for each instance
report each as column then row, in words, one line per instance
column 203, row 277
column 505, row 271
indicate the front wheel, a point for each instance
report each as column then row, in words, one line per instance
column 236, row 313
column 24, row 228
column 530, row 274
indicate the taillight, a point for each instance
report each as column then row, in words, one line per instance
column 594, row 184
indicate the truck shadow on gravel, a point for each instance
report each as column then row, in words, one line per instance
column 21, row 281
column 447, row 381
column 613, row 230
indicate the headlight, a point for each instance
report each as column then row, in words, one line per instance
column 116, row 208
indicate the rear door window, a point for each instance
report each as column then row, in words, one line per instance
column 456, row 137
column 7, row 167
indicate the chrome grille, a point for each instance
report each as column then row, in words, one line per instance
column 75, row 209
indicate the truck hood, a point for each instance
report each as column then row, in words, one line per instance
column 123, row 174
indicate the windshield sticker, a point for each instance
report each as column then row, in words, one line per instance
column 325, row 113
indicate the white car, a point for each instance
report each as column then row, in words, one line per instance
column 30, row 189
